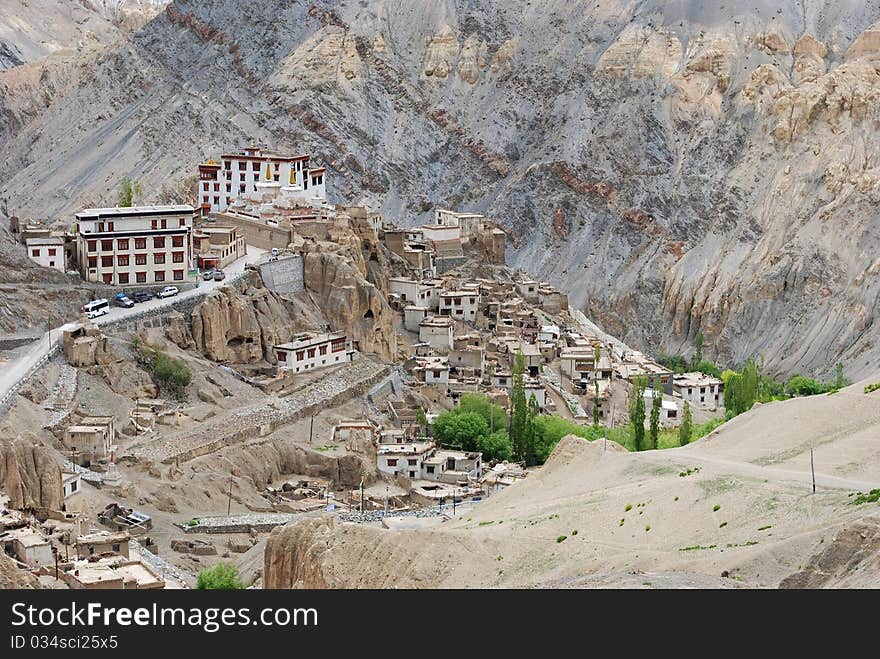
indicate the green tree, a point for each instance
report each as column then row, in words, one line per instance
column 128, row 191
column 483, row 405
column 596, row 403
column 223, row 576
column 460, row 429
column 519, row 412
column 698, row 348
column 637, row 413
column 656, row 407
column 422, row 419
column 687, row 426
column 495, row 446
column 840, row 380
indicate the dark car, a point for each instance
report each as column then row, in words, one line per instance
column 122, row 300
column 142, row 296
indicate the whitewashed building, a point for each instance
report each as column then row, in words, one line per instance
column 48, row 252
column 254, row 171
column 669, row 412
column 460, row 305
column 437, row 332
column 310, row 351
column 699, row 389
column 135, row 245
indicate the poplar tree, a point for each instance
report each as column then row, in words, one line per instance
column 686, row 428
column 637, row 413
column 656, row 406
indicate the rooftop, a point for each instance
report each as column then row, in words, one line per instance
column 133, row 210
column 309, row 339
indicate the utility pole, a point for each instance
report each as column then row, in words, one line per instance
column 229, row 499
column 311, row 428
column 813, row 470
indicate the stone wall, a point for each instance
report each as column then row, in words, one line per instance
column 284, row 275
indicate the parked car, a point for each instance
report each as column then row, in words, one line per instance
column 122, row 300
column 142, row 296
column 219, row 275
column 208, row 275
column 168, row 291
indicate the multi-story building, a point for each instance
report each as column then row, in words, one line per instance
column 217, row 247
column 699, row 389
column 310, row 351
column 254, row 171
column 437, row 332
column 135, row 245
column 460, row 305
column 48, row 252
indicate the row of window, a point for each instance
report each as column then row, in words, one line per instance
column 141, row 277
column 139, row 243
column 159, row 223
column 123, row 260
column 36, row 252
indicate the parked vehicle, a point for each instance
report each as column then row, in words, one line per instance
column 168, row 291
column 122, row 300
column 219, row 275
column 96, row 308
column 208, row 275
column 142, row 296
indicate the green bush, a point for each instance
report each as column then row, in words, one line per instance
column 169, row 373
column 872, row 387
column 222, row 576
column 561, row 538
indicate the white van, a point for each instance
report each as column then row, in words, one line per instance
column 96, row 308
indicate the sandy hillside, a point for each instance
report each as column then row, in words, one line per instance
column 734, row 509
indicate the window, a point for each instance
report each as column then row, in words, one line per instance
column 206, row 200
column 35, row 252
column 93, row 261
column 154, row 224
column 282, row 356
column 311, row 353
column 160, row 275
column 123, row 277
column 205, row 187
column 227, row 164
column 158, row 243
column 106, row 261
column 164, row 223
column 158, row 258
column 300, row 355
column 242, row 165
column 177, row 257
column 140, row 243
column 108, row 278
column 140, row 277
column 106, row 245
column 229, row 187
column 52, row 264
column 182, row 222
column 122, row 245
column 412, row 474
column 51, row 251
column 116, row 548
column 177, row 241
column 323, row 349
column 178, row 275
column 241, row 188
column 140, row 259
column 216, row 187
column 412, row 462
column 392, row 462
column 216, row 199
column 255, row 166
column 122, row 260
column 100, row 226
column 93, row 245
column 430, row 469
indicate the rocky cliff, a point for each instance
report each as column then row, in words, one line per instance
column 28, row 474
column 675, row 167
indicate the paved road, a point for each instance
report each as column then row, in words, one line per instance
column 15, row 370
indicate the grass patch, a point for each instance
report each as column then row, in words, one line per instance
column 647, row 528
column 764, row 528
column 722, row 525
column 676, row 499
column 628, row 507
column 716, row 508
column 486, row 523
column 689, row 471
column 327, row 447
column 575, row 532
column 872, row 387
column 747, row 543
column 193, row 522
column 561, row 538
column 871, row 497
column 621, row 521
column 697, row 547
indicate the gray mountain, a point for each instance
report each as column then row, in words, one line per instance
column 675, row 166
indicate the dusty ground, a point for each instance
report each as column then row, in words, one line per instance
column 734, row 509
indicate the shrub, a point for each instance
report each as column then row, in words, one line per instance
column 575, row 532
column 716, row 508
column 628, row 507
column 222, row 576
column 872, row 387
column 561, row 538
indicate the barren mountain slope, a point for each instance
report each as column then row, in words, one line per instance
column 674, row 166
column 734, row 509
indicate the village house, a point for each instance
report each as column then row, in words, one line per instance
column 460, row 305
column 413, row 316
column 99, row 543
column 534, row 389
column 112, row 573
column 531, row 354
column 353, row 434
column 48, row 252
column 413, row 292
column 528, row 290
column 551, row 300
column 255, row 171
column 699, row 389
column 669, row 412
column 311, row 350
column 635, row 365
column 135, row 245
column 437, row 331
column 468, row 359
column 452, row 466
column 434, row 370
column 71, row 483
column 27, row 546
column 93, row 439
column 502, row 379
column 403, row 459
column 217, row 247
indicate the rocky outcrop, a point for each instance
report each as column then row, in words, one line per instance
column 28, row 474
column 126, row 379
column 11, row 577
column 356, row 306
column 241, row 327
column 851, row 557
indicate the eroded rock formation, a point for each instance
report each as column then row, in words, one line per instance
column 28, row 474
